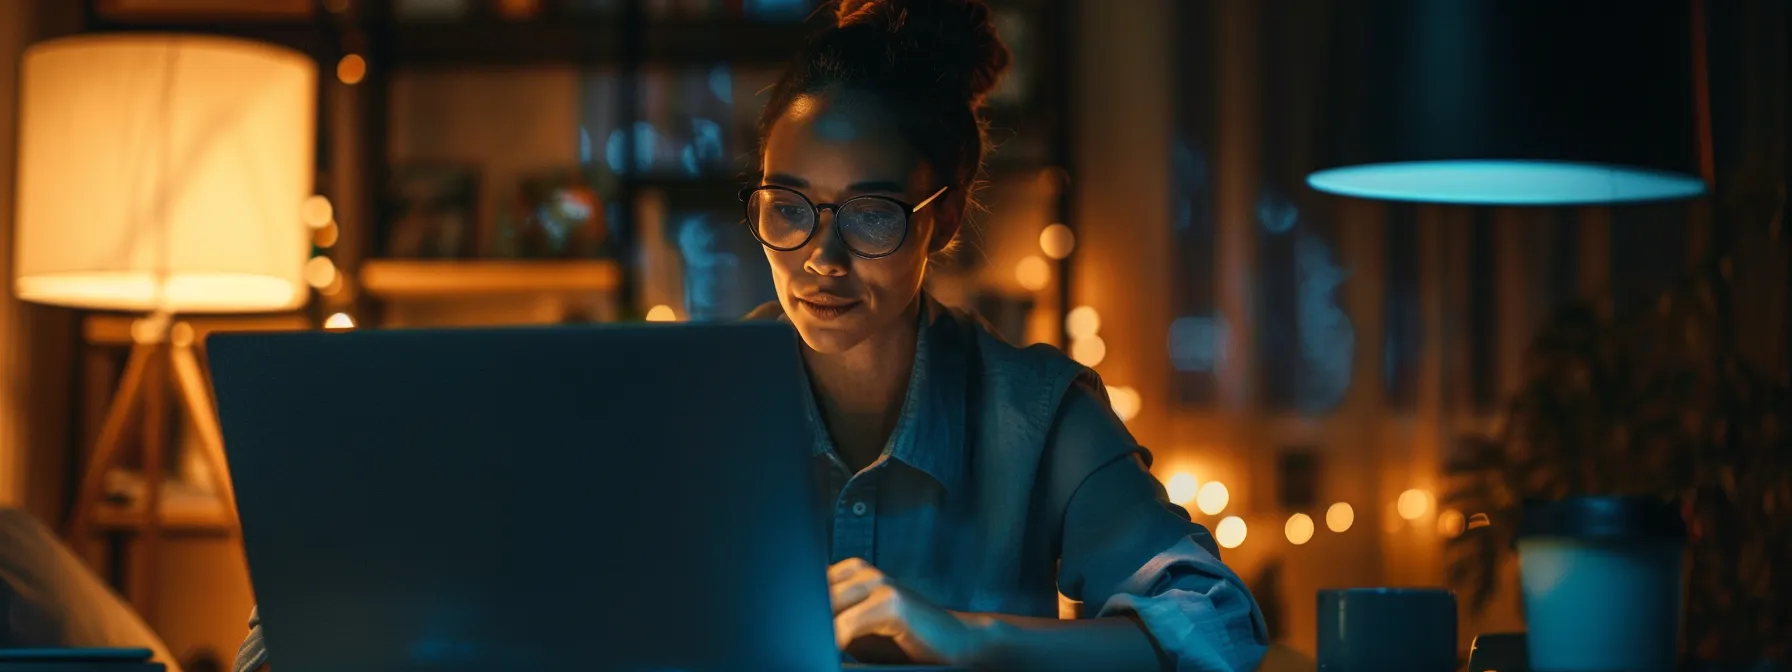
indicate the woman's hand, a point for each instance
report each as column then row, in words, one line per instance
column 868, row 604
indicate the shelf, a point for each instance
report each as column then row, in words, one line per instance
column 451, row 278
column 589, row 42
column 190, row 514
column 115, row 328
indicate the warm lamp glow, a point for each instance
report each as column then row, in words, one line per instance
column 1450, row 523
column 1088, row 351
column 1056, row 241
column 1082, row 322
column 1182, row 487
column 1299, row 529
column 661, row 313
column 1033, row 273
column 339, row 321
column 1230, row 532
column 163, row 172
column 1413, row 504
column 1213, row 498
column 1339, row 517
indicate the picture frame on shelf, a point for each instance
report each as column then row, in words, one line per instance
column 152, row 11
column 557, row 213
column 431, row 212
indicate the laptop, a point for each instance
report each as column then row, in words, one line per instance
column 634, row 498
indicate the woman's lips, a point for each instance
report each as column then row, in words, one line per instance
column 828, row 307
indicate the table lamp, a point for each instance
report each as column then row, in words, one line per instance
column 162, row 175
column 1514, row 102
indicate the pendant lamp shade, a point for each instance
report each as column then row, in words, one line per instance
column 1511, row 102
column 164, row 173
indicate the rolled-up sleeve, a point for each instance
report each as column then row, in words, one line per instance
column 1126, row 549
column 252, row 656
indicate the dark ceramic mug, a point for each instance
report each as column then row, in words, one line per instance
column 1382, row 629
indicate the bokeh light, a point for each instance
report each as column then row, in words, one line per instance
column 1339, row 517
column 1056, row 241
column 1213, row 498
column 1230, row 532
column 1088, row 351
column 1082, row 322
column 1299, row 529
column 1182, row 488
column 1413, row 504
column 1450, row 523
column 339, row 321
column 1033, row 273
column 351, row 69
column 661, row 313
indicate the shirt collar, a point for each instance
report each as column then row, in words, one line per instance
column 930, row 434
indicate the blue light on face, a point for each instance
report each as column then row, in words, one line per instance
column 1505, row 182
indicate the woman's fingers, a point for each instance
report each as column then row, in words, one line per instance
column 845, row 568
column 874, row 615
column 850, row 581
column 854, row 589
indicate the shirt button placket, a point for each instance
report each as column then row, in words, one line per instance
column 855, row 525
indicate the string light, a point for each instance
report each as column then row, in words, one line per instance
column 315, row 211
column 1125, row 401
column 1033, row 273
column 1230, row 532
column 1182, row 488
column 1450, row 523
column 1213, row 498
column 319, row 272
column 1088, row 351
column 1298, row 529
column 326, row 237
column 1056, row 241
column 1413, row 504
column 351, row 69
column 1082, row 322
column 1339, row 517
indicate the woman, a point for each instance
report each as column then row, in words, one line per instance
column 971, row 481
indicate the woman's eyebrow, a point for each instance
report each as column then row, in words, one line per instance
column 884, row 186
column 784, row 180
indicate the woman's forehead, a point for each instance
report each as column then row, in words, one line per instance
column 836, row 140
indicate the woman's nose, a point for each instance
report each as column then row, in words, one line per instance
column 827, row 254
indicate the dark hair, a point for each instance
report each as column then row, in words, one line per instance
column 930, row 62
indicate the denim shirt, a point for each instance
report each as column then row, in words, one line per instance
column 1009, row 481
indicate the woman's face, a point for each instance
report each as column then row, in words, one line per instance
column 831, row 148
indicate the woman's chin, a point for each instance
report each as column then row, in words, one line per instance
column 831, row 337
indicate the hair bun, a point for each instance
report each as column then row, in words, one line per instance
column 937, row 42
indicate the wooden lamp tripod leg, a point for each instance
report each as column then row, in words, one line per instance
column 108, row 446
column 196, row 398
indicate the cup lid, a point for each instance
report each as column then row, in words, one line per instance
column 1604, row 517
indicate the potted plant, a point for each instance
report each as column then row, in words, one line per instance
column 1652, row 402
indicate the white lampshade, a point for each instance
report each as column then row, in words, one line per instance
column 164, row 173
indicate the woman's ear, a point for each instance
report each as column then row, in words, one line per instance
column 946, row 221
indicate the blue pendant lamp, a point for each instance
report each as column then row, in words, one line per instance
column 1512, row 102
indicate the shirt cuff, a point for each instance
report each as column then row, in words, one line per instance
column 1198, row 610
column 253, row 654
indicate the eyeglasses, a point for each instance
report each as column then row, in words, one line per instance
column 872, row 227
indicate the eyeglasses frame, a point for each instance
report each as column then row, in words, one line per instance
column 908, row 220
